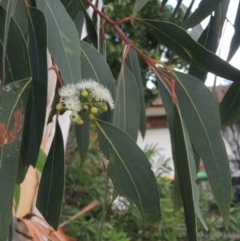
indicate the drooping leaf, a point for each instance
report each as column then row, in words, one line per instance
column 186, row 175
column 38, row 56
column 83, row 136
column 190, row 50
column 94, row 66
column 22, row 164
column 165, row 94
column 163, row 3
column 139, row 4
column 126, row 112
column 235, row 41
column 130, row 170
column 209, row 39
column 176, row 9
column 17, row 59
column 92, row 34
column 51, row 187
column 229, row 106
column 205, row 8
column 12, row 106
column 133, row 64
column 6, row 23
column 63, row 41
column 200, row 113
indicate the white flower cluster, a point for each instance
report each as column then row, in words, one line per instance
column 97, row 91
column 95, row 95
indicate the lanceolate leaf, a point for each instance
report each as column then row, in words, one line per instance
column 94, row 66
column 83, row 136
column 17, row 59
column 200, row 113
column 165, row 94
column 186, row 174
column 190, row 50
column 38, row 52
column 139, row 4
column 12, row 105
column 209, row 39
column 51, row 187
column 130, row 170
column 133, row 64
column 63, row 41
column 205, row 8
column 229, row 106
column 126, row 112
column 8, row 16
column 235, row 41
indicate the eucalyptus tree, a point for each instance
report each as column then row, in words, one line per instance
column 42, row 38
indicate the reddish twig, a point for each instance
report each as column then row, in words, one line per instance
column 128, row 42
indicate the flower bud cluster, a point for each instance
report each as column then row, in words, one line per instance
column 95, row 98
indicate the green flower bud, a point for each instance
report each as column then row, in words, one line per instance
column 94, row 110
column 91, row 117
column 60, row 107
column 84, row 94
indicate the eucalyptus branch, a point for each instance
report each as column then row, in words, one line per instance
column 128, row 42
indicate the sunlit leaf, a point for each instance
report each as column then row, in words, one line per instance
column 51, row 187
column 229, row 106
column 63, row 39
column 205, row 8
column 126, row 112
column 190, row 50
column 12, row 107
column 133, row 64
column 130, row 170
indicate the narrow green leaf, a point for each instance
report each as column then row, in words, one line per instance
column 200, row 113
column 22, row 164
column 8, row 17
column 42, row 157
column 163, row 3
column 235, row 41
column 20, row 15
column 83, row 137
column 208, row 39
column 63, row 41
column 139, row 4
column 179, row 2
column 229, row 106
column 184, row 159
column 92, row 34
column 38, row 56
column 51, row 187
column 133, row 64
column 190, row 50
column 126, row 112
column 165, row 94
column 130, row 170
column 205, row 8
column 17, row 59
column 94, row 66
column 12, row 107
